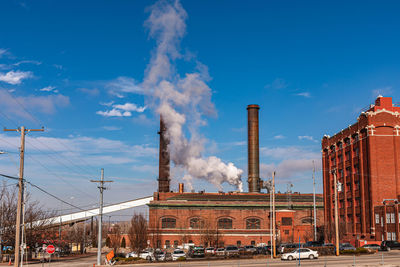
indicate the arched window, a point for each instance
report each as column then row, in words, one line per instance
column 307, row 220
column 225, row 223
column 196, row 223
column 253, row 223
column 168, row 223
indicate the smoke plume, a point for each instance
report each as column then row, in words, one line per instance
column 182, row 101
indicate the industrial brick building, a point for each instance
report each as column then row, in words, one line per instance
column 366, row 159
column 232, row 218
column 229, row 218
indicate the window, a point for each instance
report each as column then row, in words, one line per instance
column 225, row 223
column 389, row 236
column 286, row 232
column 286, row 221
column 387, row 217
column 238, row 243
column 392, row 218
column 393, row 236
column 382, row 222
column 196, row 223
column 356, row 151
column 253, row 243
column 176, row 243
column 340, row 144
column 377, row 218
column 167, row 244
column 341, row 172
column 355, row 138
column 168, row 223
column 253, row 223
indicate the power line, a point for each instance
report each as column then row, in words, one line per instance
column 56, row 139
column 61, row 178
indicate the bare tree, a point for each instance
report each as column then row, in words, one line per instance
column 115, row 237
column 34, row 233
column 138, row 235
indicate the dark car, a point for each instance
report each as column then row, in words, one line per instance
column 232, row 251
column 312, row 244
column 346, row 246
column 197, row 252
column 389, row 245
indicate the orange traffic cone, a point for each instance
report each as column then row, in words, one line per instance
column 9, row 262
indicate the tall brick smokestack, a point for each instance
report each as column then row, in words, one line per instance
column 253, row 149
column 163, row 164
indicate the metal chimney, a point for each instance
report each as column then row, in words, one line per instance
column 253, row 149
column 163, row 164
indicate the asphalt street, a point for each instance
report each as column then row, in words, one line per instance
column 389, row 259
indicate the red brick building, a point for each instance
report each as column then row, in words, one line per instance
column 229, row 218
column 366, row 158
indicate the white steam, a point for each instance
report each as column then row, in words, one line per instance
column 181, row 101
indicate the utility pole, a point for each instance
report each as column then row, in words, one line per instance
column 270, row 218
column 17, row 248
column 273, row 216
column 336, row 214
column 315, row 210
column 102, row 188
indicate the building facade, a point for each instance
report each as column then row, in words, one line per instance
column 220, row 219
column 366, row 159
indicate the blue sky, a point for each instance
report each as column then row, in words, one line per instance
column 65, row 65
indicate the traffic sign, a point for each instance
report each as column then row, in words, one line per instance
column 50, row 249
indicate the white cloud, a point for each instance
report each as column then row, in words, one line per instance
column 290, row 152
column 121, row 110
column 49, row 89
column 130, row 107
column 289, row 169
column 90, row 92
column 277, row 84
column 3, row 52
column 111, row 128
column 279, row 136
column 15, row 77
column 304, row 94
column 123, row 85
column 43, row 104
column 34, row 62
column 307, row 137
column 114, row 113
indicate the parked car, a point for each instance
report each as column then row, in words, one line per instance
column 311, row 244
column 146, row 255
column 328, row 245
column 160, row 255
column 232, row 251
column 389, row 245
column 220, row 252
column 196, row 252
column 372, row 247
column 210, row 250
column 178, row 253
column 346, row 246
column 250, row 249
column 305, row 253
column 281, row 248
